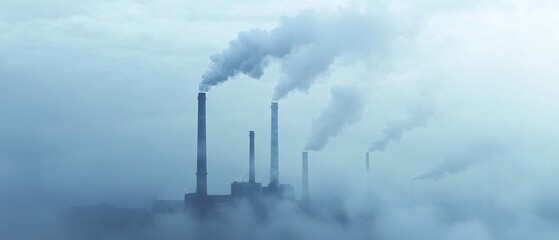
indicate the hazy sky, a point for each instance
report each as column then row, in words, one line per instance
column 98, row 103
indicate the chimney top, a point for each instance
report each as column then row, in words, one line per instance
column 201, row 96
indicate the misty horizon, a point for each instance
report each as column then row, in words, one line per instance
column 454, row 103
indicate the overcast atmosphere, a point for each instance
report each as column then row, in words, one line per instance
column 455, row 101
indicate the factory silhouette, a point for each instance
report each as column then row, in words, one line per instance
column 200, row 202
column 263, row 198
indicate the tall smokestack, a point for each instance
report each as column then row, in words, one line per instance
column 305, row 185
column 367, row 161
column 251, row 158
column 274, row 148
column 201, row 170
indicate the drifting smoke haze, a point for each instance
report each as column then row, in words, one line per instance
column 446, row 168
column 305, row 45
column 417, row 115
column 460, row 163
column 345, row 108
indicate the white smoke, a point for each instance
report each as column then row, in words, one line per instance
column 344, row 109
column 249, row 53
column 305, row 45
column 448, row 167
column 460, row 163
column 417, row 115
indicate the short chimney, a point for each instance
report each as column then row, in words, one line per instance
column 305, row 184
column 367, row 161
column 251, row 158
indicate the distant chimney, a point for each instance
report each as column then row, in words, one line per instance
column 201, row 170
column 251, row 158
column 367, row 161
column 305, row 184
column 274, row 148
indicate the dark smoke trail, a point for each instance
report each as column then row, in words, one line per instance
column 306, row 46
column 417, row 116
column 345, row 109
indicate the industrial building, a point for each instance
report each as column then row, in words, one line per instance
column 252, row 190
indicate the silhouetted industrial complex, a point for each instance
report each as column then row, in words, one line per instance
column 200, row 200
column 94, row 220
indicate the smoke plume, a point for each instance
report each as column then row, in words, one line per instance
column 446, row 168
column 416, row 116
column 460, row 163
column 305, row 45
column 345, row 108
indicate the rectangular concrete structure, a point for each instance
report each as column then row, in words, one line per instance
column 367, row 161
column 274, row 148
column 201, row 164
column 305, row 180
column 251, row 164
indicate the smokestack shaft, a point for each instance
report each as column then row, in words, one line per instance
column 367, row 161
column 251, row 158
column 305, row 184
column 274, row 148
column 201, row 164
